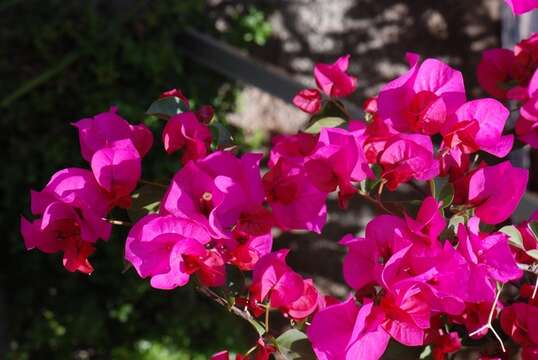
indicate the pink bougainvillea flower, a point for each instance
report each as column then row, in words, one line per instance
column 519, row 321
column 355, row 333
column 490, row 259
column 250, row 249
column 169, row 249
column 527, row 130
column 306, row 304
column 361, row 264
column 421, row 99
column 474, row 317
column 454, row 163
column 406, row 157
column 526, row 54
column 529, row 240
column 117, row 169
column 478, row 125
column 104, row 128
column 445, row 344
column 294, row 148
column 407, row 315
column 296, row 203
column 192, row 194
column 72, row 208
column 520, row 7
column 205, row 114
column 377, row 134
column 489, row 249
column 308, row 100
column 240, row 182
column 333, row 79
column 527, row 124
column 277, row 282
column 384, row 236
column 62, row 228
column 338, row 161
column 429, row 223
column 442, row 273
column 175, row 93
column 494, row 70
column 221, row 355
column 496, row 190
column 76, row 187
column 185, row 132
column 221, row 192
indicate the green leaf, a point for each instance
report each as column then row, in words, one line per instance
column 294, row 345
column 432, row 187
column 533, row 227
column 455, row 222
column 145, row 200
column 442, row 191
column 514, row 236
column 257, row 326
column 328, row 122
column 367, row 185
column 426, row 353
column 446, row 195
column 221, row 136
column 166, row 107
column 533, row 253
column 331, row 115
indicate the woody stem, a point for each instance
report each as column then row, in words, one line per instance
column 267, row 309
column 118, row 222
column 245, row 315
column 153, row 183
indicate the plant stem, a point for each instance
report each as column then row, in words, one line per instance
column 376, row 202
column 341, row 108
column 488, row 325
column 267, row 309
column 152, row 183
column 233, row 309
column 118, row 222
column 418, row 188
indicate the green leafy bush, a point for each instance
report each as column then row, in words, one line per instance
column 61, row 61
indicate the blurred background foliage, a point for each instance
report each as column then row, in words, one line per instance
column 64, row 60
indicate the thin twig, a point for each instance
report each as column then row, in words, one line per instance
column 376, row 202
column 153, row 183
column 118, row 222
column 418, row 188
column 266, row 323
column 219, row 300
column 341, row 108
column 488, row 325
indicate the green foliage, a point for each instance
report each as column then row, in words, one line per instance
column 166, row 107
column 294, row 345
column 61, row 61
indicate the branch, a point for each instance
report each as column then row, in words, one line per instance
column 245, row 315
column 376, row 202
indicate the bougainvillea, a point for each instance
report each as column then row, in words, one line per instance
column 437, row 273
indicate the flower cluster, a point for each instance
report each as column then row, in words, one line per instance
column 513, row 75
column 74, row 204
column 428, row 275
